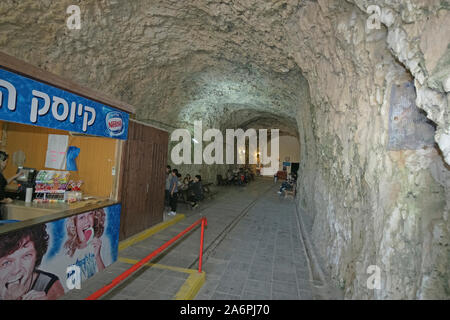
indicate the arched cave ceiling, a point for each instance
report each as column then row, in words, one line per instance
column 175, row 61
column 178, row 61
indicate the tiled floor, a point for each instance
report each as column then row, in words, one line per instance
column 252, row 251
column 261, row 258
column 148, row 283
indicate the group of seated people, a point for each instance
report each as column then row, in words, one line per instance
column 239, row 176
column 190, row 189
column 187, row 189
column 289, row 184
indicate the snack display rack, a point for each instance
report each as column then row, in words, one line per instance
column 55, row 186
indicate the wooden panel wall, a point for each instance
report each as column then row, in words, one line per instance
column 144, row 159
column 94, row 163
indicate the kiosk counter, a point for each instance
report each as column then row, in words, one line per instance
column 60, row 220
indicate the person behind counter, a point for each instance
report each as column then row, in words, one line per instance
column 3, row 181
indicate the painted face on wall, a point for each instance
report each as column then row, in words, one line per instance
column 16, row 271
column 85, row 227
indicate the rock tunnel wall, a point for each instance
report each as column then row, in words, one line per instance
column 314, row 61
column 371, row 206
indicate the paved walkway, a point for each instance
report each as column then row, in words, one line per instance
column 252, row 251
column 262, row 257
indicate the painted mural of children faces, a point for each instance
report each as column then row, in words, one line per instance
column 16, row 271
column 86, row 235
column 85, row 228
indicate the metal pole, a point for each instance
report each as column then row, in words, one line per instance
column 138, row 265
column 201, row 246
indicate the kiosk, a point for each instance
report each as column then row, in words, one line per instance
column 69, row 229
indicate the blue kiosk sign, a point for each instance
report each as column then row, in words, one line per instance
column 27, row 101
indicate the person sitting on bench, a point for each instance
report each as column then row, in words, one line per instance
column 287, row 185
column 197, row 189
column 230, row 176
column 185, row 184
column 189, row 179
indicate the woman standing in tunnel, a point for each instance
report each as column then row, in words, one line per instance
column 167, row 191
column 173, row 192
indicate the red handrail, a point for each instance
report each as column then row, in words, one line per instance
column 139, row 264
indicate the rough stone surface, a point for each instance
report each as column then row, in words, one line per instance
column 314, row 66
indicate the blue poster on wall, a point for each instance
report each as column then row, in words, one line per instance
column 88, row 241
column 27, row 101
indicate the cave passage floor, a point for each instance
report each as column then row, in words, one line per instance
column 253, row 251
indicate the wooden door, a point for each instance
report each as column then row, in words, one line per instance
column 141, row 191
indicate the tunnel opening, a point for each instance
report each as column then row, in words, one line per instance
column 250, row 124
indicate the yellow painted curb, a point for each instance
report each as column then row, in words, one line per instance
column 191, row 286
column 149, row 232
column 158, row 266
